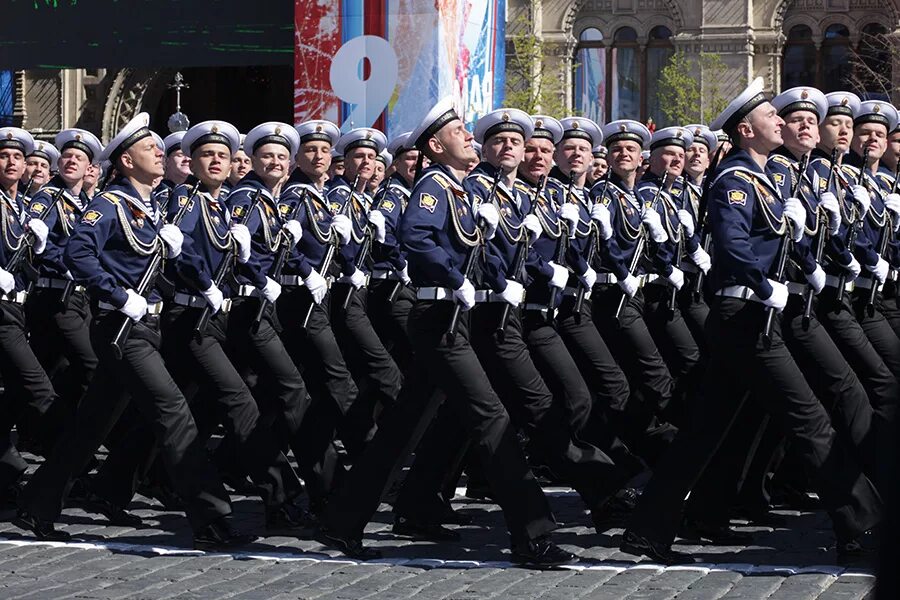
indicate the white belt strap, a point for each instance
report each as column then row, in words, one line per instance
column 434, row 293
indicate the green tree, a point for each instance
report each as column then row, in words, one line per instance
column 530, row 85
column 682, row 98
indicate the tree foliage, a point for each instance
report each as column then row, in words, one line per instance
column 690, row 88
column 530, row 85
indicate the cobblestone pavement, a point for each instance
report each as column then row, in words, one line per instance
column 155, row 562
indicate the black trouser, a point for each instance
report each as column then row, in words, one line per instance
column 139, row 375
column 739, row 359
column 29, row 394
column 636, row 351
column 567, row 360
column 389, row 303
column 530, row 404
column 694, row 310
column 880, row 333
column 315, row 350
column 677, row 345
column 375, row 372
column 456, row 370
column 888, row 305
column 62, row 342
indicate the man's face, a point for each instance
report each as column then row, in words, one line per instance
column 667, row 159
column 377, row 176
column 624, row 157
column 211, row 164
column 143, row 159
column 801, row 131
column 573, row 155
column 240, row 166
column 696, row 160
column 178, row 164
column 91, row 175
column 892, row 155
column 73, row 164
column 12, row 166
column 764, row 127
column 599, row 168
column 271, row 162
column 314, row 159
column 37, row 171
column 836, row 132
column 405, row 164
column 359, row 161
column 505, row 150
column 871, row 136
column 538, row 159
column 336, row 169
column 455, row 145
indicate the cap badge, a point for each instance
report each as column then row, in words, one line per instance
column 505, row 116
column 845, row 101
column 539, row 123
column 77, row 137
column 574, row 124
column 318, row 129
column 278, row 131
column 804, row 95
column 623, row 127
column 214, row 129
column 9, row 135
column 876, row 109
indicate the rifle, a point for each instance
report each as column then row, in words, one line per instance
column 783, row 251
column 702, row 210
column 145, row 284
column 563, row 246
column 277, row 265
column 366, row 247
column 820, row 243
column 855, row 227
column 469, row 266
column 19, row 256
column 592, row 251
column 226, row 267
column 639, row 247
column 520, row 258
column 882, row 246
column 679, row 248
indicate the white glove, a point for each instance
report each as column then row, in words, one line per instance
column 214, row 297
column 7, row 281
column 793, row 210
column 861, row 195
column 855, row 269
column 491, row 217
column 570, row 213
column 294, row 228
column 241, row 236
column 404, row 275
column 40, row 231
column 533, row 226
column 376, row 219
column 701, row 259
column 892, row 203
column 272, row 290
column 588, row 278
column 357, row 278
column 316, row 285
column 173, row 238
column 676, row 278
column 778, row 299
column 817, row 279
column 829, row 204
column 629, row 285
column 135, row 306
column 343, row 227
column 687, row 222
column 560, row 276
column 514, row 292
column 465, row 295
column 600, row 214
column 653, row 222
column 879, row 270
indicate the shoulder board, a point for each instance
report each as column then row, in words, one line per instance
column 110, row 197
column 744, row 175
column 780, row 159
column 441, row 180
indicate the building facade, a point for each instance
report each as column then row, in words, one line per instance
column 607, row 56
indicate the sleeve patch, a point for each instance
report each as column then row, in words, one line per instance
column 38, row 207
column 238, row 211
column 284, row 209
column 388, row 205
column 737, row 197
column 91, row 217
column 334, row 207
column 428, row 202
column 779, row 178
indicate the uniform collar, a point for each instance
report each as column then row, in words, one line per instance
column 122, row 187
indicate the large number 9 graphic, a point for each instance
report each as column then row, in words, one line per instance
column 368, row 92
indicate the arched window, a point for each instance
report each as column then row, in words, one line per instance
column 800, row 61
column 873, row 68
column 590, row 75
column 659, row 50
column 7, row 98
column 625, row 76
column 836, row 67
